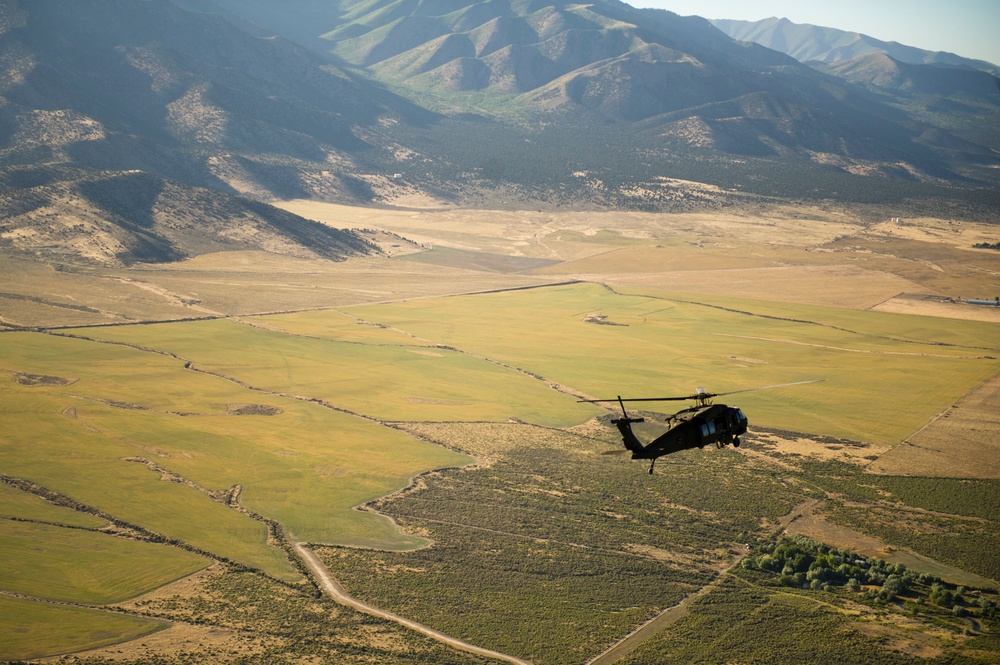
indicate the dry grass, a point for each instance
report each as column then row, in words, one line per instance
column 179, row 636
column 961, row 442
column 489, row 440
column 836, row 286
column 805, row 446
column 802, row 255
column 926, row 306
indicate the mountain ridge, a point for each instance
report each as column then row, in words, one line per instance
column 467, row 101
column 806, row 42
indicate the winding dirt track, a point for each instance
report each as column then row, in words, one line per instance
column 339, row 594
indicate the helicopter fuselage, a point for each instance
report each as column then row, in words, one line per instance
column 696, row 427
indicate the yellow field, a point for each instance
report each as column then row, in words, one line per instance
column 883, row 375
column 20, row 505
column 960, row 443
column 387, row 376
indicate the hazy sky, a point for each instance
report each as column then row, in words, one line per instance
column 970, row 28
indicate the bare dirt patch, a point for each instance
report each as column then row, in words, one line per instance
column 903, row 634
column 601, row 320
column 788, row 443
column 929, row 305
column 166, row 643
column 809, row 523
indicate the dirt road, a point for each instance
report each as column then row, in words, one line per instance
column 337, row 592
column 633, row 640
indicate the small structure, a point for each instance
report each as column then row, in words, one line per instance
column 988, row 303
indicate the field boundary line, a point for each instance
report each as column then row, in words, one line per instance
column 876, row 352
column 772, row 317
column 14, row 327
column 647, row 630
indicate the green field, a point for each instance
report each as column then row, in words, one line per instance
column 305, row 467
column 21, row 505
column 305, row 416
column 884, row 375
column 35, row 630
column 72, row 457
column 385, row 375
column 78, row 566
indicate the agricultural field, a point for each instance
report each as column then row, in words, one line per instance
column 656, row 342
column 414, row 420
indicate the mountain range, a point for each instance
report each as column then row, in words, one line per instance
column 945, row 88
column 812, row 42
column 223, row 105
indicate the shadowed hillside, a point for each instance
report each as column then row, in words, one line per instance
column 478, row 102
column 608, row 65
column 114, row 84
column 114, row 218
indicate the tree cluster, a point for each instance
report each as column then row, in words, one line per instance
column 804, row 563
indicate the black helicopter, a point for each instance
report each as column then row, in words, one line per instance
column 693, row 427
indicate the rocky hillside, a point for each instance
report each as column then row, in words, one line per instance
column 693, row 90
column 172, row 120
column 131, row 131
column 118, row 84
column 881, row 70
column 121, row 218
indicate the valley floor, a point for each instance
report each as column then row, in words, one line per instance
column 436, row 387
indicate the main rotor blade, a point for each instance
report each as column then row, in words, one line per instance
column 702, row 395
column 642, row 399
column 776, row 385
